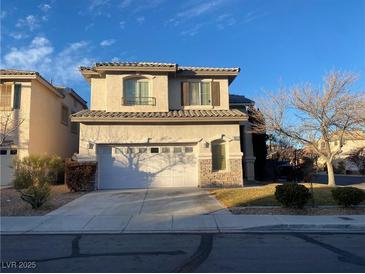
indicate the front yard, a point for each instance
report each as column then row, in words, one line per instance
column 12, row 205
column 242, row 201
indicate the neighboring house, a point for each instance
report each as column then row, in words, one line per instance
column 38, row 112
column 242, row 103
column 161, row 125
column 351, row 141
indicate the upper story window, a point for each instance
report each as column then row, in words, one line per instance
column 137, row 92
column 200, row 93
column 5, row 96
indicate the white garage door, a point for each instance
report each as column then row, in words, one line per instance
column 146, row 166
column 6, row 166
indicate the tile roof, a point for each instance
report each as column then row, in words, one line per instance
column 232, row 114
column 181, row 68
column 135, row 64
column 17, row 72
column 159, row 65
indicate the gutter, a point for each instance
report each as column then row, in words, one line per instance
column 157, row 120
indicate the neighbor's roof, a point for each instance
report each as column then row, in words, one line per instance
column 98, row 68
column 67, row 90
column 17, row 72
column 174, row 115
column 235, row 99
column 29, row 74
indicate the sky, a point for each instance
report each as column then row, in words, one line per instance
column 276, row 43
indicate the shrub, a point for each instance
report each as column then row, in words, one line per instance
column 79, row 175
column 32, row 177
column 348, row 196
column 36, row 196
column 292, row 195
column 33, row 168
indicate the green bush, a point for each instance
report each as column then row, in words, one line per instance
column 348, row 196
column 79, row 175
column 292, row 195
column 36, row 196
column 32, row 177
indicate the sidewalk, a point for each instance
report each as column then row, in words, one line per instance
column 145, row 223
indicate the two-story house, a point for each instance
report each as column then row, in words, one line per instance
column 35, row 118
column 161, row 125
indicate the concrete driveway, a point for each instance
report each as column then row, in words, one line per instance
column 166, row 201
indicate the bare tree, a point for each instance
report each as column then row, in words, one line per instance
column 9, row 124
column 314, row 117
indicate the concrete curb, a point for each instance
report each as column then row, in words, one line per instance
column 258, row 229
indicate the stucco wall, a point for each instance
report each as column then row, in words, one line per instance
column 107, row 93
column 141, row 133
column 47, row 134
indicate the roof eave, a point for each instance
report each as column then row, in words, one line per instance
column 34, row 76
column 157, row 120
column 135, row 68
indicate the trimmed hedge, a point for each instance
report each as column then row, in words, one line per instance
column 79, row 175
column 348, row 196
column 292, row 195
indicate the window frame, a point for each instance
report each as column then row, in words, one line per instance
column 200, row 82
column 11, row 95
column 137, row 91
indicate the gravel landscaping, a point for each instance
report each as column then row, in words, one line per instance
column 12, row 205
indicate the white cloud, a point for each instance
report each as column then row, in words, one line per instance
column 140, row 19
column 253, row 15
column 107, row 43
column 40, row 56
column 95, row 4
column 197, row 10
column 67, row 62
column 18, row 35
column 225, row 20
column 30, row 22
column 125, row 3
column 35, row 56
column 122, row 24
column 45, row 7
column 192, row 31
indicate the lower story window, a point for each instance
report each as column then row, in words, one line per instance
column 218, row 157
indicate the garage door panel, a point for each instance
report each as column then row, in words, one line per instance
column 122, row 167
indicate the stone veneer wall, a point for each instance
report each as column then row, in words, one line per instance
column 233, row 177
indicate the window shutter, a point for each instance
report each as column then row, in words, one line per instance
column 185, row 93
column 216, row 94
column 17, row 96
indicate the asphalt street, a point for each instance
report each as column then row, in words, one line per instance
column 240, row 252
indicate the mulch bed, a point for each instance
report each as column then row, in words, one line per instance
column 13, row 205
column 290, row 211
